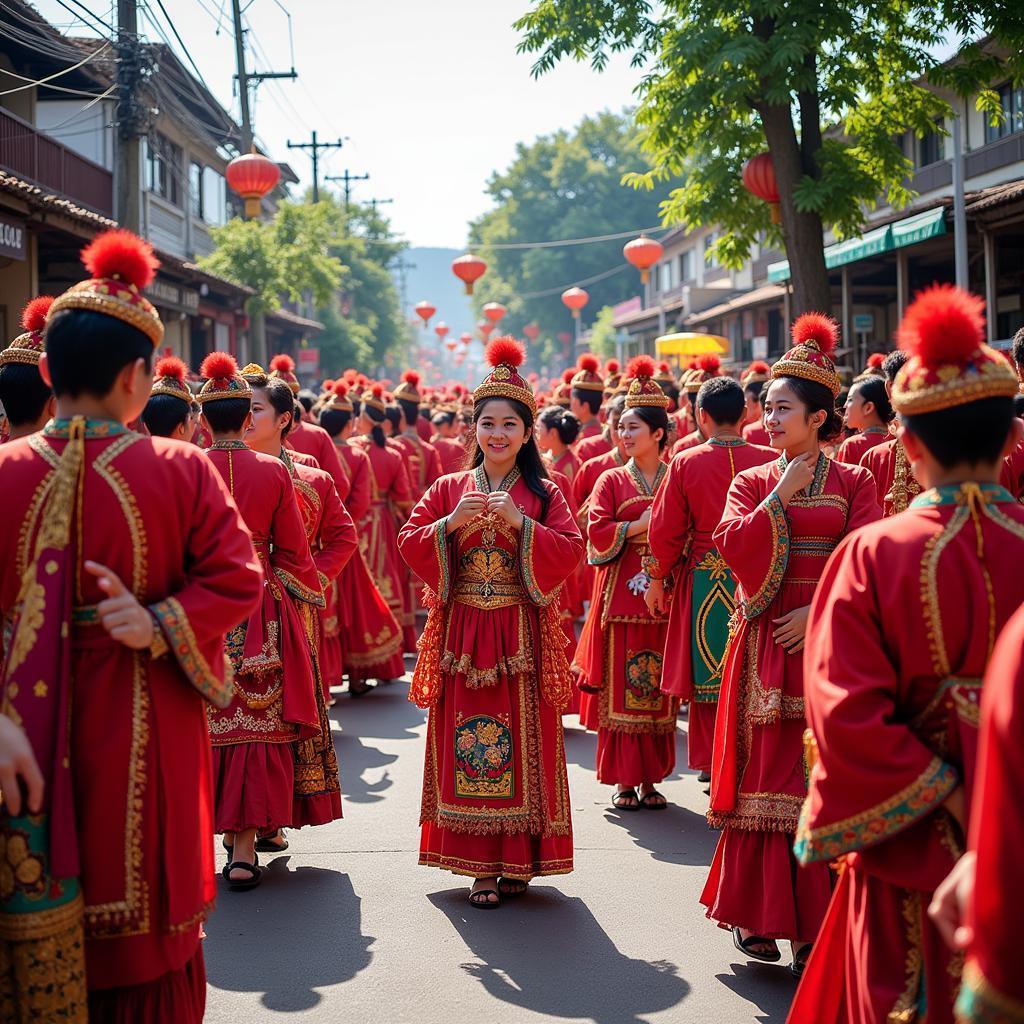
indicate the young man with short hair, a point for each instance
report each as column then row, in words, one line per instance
column 26, row 398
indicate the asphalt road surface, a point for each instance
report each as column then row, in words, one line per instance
column 347, row 927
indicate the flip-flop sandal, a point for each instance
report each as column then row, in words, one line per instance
column 510, row 888
column 240, row 885
column 626, row 794
column 799, row 963
column 743, row 945
column 652, row 806
column 272, row 844
column 485, row 904
column 361, row 691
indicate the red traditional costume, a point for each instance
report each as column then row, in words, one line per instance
column 587, row 378
column 1012, row 477
column 583, row 485
column 569, row 462
column 853, row 449
column 899, row 638
column 591, row 447
column 370, row 635
column 895, row 486
column 569, row 602
column 620, row 652
column 685, row 515
column 274, row 703
column 120, row 734
column 451, row 452
column 492, row 670
column 993, row 984
column 754, row 433
column 759, row 372
column 332, row 540
column 777, row 554
column 378, row 532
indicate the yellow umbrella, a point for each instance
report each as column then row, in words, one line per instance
column 689, row 344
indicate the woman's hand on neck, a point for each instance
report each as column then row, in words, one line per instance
column 811, row 448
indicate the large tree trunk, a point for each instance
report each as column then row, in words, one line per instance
column 802, row 232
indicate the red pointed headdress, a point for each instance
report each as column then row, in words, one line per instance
column 28, row 347
column 223, row 379
column 283, row 367
column 169, row 379
column 814, row 339
column 506, row 355
column 643, row 389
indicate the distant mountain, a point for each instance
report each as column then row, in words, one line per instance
column 431, row 278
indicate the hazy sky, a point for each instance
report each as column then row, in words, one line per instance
column 432, row 95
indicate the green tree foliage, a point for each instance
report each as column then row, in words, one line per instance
column 828, row 89
column 602, row 333
column 565, row 185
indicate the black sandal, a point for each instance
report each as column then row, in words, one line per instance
column 360, row 691
column 230, row 847
column 275, row 843
column 626, row 794
column 704, row 777
column 800, row 960
column 485, row 903
column 240, row 885
column 653, row 807
column 509, row 888
column 743, row 945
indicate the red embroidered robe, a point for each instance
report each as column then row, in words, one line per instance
column 620, row 651
column 155, row 512
column 378, row 532
column 1012, row 476
column 590, row 448
column 493, row 672
column 895, row 485
column 754, row 433
column 451, row 452
column 583, row 485
column 853, row 449
column 777, row 555
column 900, row 635
column 684, row 517
column 310, row 439
column 993, row 985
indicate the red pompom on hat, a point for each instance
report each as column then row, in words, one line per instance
column 711, row 365
column 586, row 376
column 33, row 316
column 408, row 387
column 708, row 366
column 340, row 389
column 612, row 366
column 169, row 379
column 567, row 376
column 337, row 399
column 327, row 383
column 506, row 355
column 282, row 366
column 943, row 333
column 814, row 339
column 643, row 389
column 374, row 397
column 664, row 374
column 27, row 348
column 121, row 265
column 756, row 373
column 875, row 361
column 223, row 379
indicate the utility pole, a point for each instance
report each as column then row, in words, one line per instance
column 374, row 203
column 132, row 116
column 314, row 147
column 244, row 77
column 401, row 266
column 347, row 179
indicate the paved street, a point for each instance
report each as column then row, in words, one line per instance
column 346, row 926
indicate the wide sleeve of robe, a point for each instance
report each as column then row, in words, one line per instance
column 222, row 586
column 606, row 534
column 423, row 540
column 753, row 538
column 993, row 985
column 290, row 557
column 549, row 551
column 669, row 533
column 874, row 778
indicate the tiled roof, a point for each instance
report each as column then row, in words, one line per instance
column 41, row 199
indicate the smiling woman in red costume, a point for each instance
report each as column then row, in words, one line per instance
column 620, row 652
column 781, row 522
column 494, row 545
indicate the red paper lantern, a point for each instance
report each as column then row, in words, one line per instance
column 252, row 176
column 468, row 269
column 465, row 337
column 532, row 331
column 450, row 344
column 643, row 253
column 485, row 328
column 424, row 310
column 494, row 311
column 564, row 337
column 759, row 180
column 575, row 299
column 441, row 329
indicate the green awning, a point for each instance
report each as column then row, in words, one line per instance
column 919, row 227
column 884, row 239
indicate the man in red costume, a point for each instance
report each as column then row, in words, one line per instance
column 27, row 400
column 753, row 381
column 898, row 640
column 586, row 389
column 125, row 623
column 707, row 368
column 686, row 512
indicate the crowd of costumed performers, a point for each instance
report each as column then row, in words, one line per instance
column 820, row 578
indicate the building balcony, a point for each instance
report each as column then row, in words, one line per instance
column 35, row 157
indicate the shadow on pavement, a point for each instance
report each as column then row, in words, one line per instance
column 384, row 714
column 675, row 835
column 355, row 759
column 580, row 747
column 299, row 931
column 770, row 987
column 547, row 953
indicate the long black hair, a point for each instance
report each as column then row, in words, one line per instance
column 528, row 460
column 872, row 389
column 376, row 417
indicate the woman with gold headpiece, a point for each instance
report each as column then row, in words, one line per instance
column 899, row 640
column 620, row 652
column 781, row 522
column 495, row 544
column 123, row 563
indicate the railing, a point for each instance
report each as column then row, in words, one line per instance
column 34, row 156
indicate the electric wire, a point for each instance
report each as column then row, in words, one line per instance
column 33, row 82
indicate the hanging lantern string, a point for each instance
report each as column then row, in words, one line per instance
column 569, row 241
column 576, row 284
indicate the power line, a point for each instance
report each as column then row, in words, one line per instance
column 95, row 17
column 576, row 284
column 181, row 43
column 32, row 82
column 568, row 241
